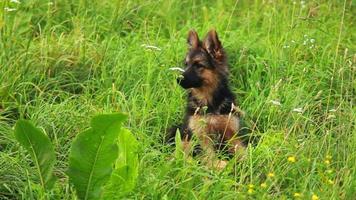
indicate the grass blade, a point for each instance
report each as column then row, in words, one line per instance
column 179, row 152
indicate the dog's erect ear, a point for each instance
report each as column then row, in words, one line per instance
column 212, row 45
column 193, row 39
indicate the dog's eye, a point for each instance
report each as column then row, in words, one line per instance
column 198, row 65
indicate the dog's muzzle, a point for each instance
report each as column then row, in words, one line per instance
column 189, row 79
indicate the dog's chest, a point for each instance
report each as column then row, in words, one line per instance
column 214, row 125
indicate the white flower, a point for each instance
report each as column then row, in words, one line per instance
column 302, row 2
column 298, row 110
column 9, row 9
column 305, row 42
column 151, row 47
column 312, row 40
column 15, row 1
column 176, row 69
column 277, row 103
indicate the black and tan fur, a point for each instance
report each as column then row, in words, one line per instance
column 210, row 112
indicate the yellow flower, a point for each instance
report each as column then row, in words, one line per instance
column 250, row 191
column 297, row 194
column 251, row 186
column 291, row 159
column 327, row 161
column 314, row 197
column 263, row 185
column 331, row 182
column 328, row 157
column 271, row 175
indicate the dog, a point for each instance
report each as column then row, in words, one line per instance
column 211, row 114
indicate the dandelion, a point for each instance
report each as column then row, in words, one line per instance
column 9, row 9
column 298, row 110
column 314, row 197
column 277, row 103
column 263, row 185
column 151, row 47
column 291, row 159
column 297, row 195
column 271, row 174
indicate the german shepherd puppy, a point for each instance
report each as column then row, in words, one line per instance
column 211, row 114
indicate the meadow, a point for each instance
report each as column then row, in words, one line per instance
column 292, row 66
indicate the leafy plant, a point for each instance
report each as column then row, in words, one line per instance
column 93, row 154
column 40, row 148
column 126, row 171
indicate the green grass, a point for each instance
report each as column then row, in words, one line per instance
column 62, row 63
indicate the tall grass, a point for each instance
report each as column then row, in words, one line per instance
column 292, row 68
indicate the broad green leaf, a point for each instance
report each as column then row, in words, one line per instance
column 40, row 148
column 93, row 154
column 125, row 174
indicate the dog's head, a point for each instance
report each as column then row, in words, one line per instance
column 205, row 61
